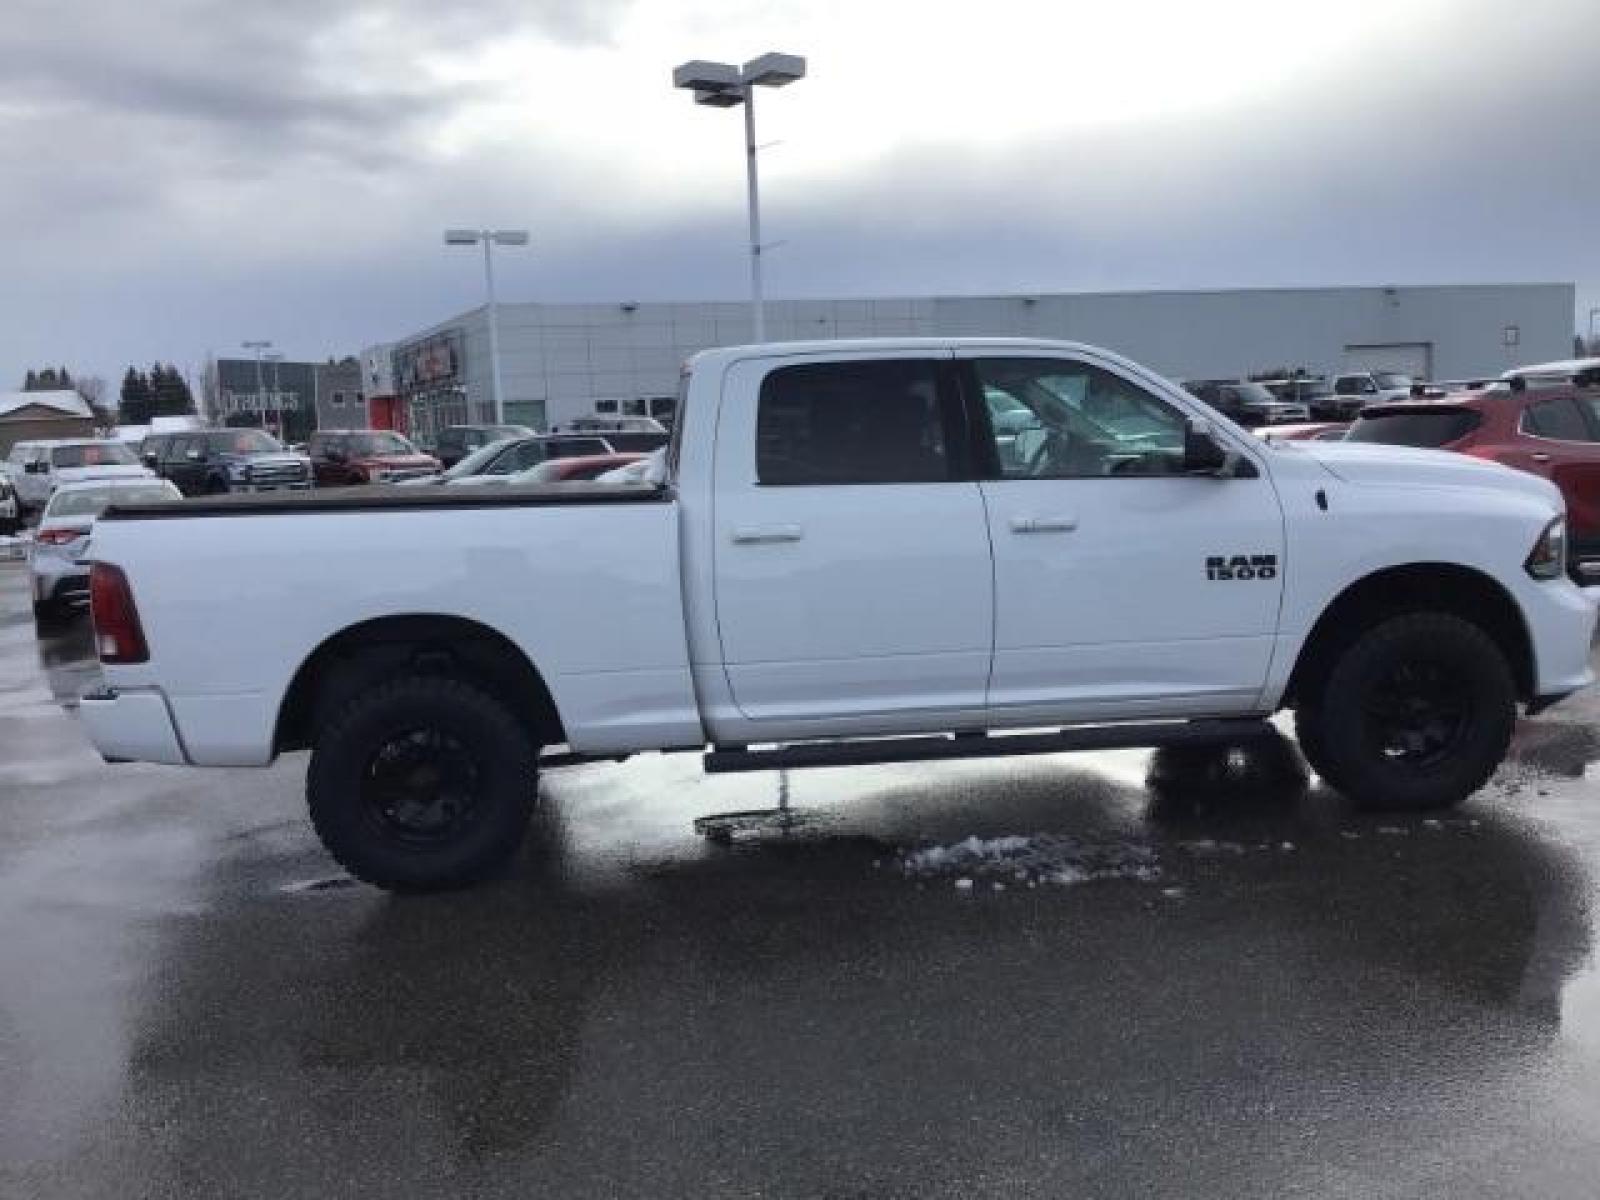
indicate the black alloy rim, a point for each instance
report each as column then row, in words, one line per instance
column 423, row 787
column 1417, row 713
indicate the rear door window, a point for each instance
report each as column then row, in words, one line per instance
column 1557, row 419
column 1425, row 428
column 852, row 423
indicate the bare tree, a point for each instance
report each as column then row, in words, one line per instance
column 93, row 390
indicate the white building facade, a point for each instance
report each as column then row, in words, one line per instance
column 560, row 361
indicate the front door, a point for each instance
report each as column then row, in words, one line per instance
column 1122, row 586
column 852, row 557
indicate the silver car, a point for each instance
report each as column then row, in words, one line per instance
column 60, row 577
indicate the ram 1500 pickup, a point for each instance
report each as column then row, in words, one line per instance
column 846, row 556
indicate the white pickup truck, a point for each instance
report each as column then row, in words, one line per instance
column 855, row 552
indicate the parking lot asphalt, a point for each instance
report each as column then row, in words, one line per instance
column 1192, row 979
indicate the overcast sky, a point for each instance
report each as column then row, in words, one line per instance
column 185, row 174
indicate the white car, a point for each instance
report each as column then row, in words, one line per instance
column 60, row 577
column 842, row 567
column 37, row 469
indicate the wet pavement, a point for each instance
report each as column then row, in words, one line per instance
column 1101, row 975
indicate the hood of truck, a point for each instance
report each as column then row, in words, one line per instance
column 397, row 462
column 1401, row 466
column 270, row 458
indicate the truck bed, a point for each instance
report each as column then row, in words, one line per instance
column 386, row 497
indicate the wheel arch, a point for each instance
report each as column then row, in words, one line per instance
column 426, row 643
column 1415, row 587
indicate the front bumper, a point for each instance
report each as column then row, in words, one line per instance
column 1561, row 620
column 131, row 726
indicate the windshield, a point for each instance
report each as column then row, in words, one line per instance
column 1391, row 379
column 371, row 444
column 245, row 441
column 93, row 454
column 475, row 462
column 1253, row 393
column 92, row 501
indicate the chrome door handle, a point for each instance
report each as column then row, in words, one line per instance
column 766, row 535
column 1540, row 456
column 1043, row 524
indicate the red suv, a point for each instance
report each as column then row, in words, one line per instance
column 1552, row 431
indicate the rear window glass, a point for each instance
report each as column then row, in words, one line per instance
column 81, row 502
column 98, row 454
column 1436, row 428
column 855, row 422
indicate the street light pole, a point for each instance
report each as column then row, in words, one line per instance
column 723, row 85
column 490, row 239
column 277, row 395
column 494, row 333
column 758, row 316
column 261, row 387
column 1594, row 339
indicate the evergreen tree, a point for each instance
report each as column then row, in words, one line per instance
column 63, row 380
column 170, row 395
column 137, row 403
column 31, row 383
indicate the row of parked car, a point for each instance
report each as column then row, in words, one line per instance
column 1300, row 398
column 1543, row 419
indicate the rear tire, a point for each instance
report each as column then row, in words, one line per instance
column 1414, row 714
column 422, row 783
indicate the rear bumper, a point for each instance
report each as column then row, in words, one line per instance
column 131, row 726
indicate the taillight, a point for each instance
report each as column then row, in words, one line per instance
column 117, row 635
column 57, row 537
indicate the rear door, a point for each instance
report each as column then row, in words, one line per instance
column 852, row 567
column 1123, row 587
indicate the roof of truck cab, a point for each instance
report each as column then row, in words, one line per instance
column 723, row 355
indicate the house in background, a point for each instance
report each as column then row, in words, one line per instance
column 34, row 416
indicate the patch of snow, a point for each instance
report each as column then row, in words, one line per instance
column 1053, row 859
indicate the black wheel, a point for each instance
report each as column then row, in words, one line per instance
column 1415, row 713
column 422, row 783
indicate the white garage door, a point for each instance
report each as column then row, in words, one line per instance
column 1408, row 358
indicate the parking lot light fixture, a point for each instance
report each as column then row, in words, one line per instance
column 490, row 238
column 724, row 85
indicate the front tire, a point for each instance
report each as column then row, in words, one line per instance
column 422, row 783
column 1415, row 713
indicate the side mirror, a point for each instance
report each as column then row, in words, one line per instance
column 1201, row 453
column 149, row 459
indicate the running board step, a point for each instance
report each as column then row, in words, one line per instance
column 982, row 745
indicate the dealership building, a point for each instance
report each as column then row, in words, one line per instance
column 560, row 361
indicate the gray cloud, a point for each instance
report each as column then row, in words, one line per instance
column 171, row 175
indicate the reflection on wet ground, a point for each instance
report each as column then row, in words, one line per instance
column 1294, row 998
